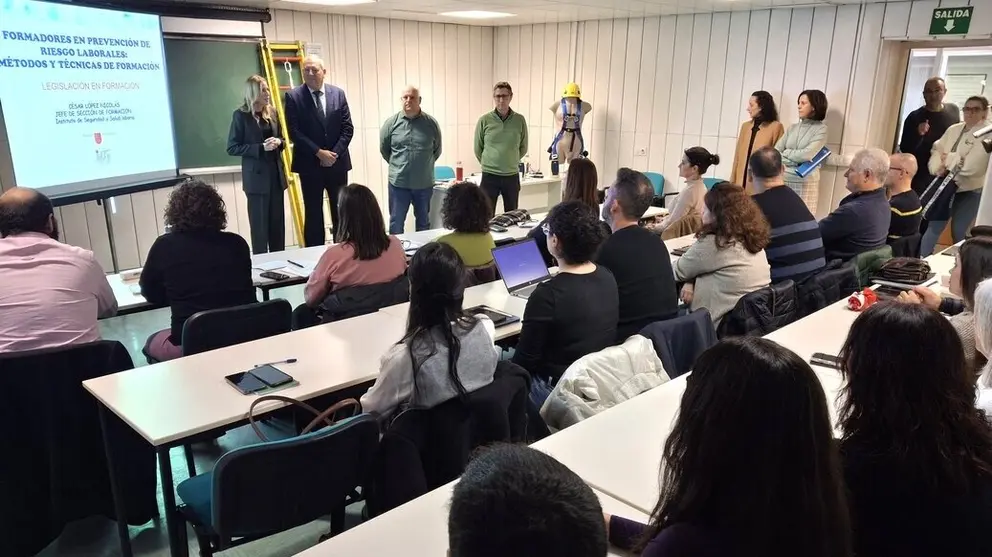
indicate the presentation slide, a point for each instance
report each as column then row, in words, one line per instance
column 84, row 97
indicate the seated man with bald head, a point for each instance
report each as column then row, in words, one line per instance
column 903, row 201
column 52, row 293
column 796, row 248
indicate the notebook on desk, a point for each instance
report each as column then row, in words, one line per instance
column 521, row 266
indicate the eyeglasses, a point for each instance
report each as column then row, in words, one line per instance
column 974, row 109
column 501, row 96
column 312, row 70
column 891, row 168
column 546, row 229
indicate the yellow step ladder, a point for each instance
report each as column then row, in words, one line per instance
column 283, row 63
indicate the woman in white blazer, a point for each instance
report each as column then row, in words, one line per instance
column 959, row 147
column 801, row 142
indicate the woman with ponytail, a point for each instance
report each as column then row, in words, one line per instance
column 445, row 353
column 696, row 161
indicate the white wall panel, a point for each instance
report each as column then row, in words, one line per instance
column 698, row 64
column 680, row 74
column 733, row 79
column 778, row 48
column 754, row 61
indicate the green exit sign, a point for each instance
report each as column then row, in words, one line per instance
column 951, row 21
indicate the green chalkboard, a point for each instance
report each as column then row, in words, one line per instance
column 206, row 84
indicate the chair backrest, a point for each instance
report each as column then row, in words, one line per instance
column 710, row 182
column 832, row 283
column 55, row 468
column 219, row 328
column 658, row 181
column 424, row 448
column 274, row 486
column 761, row 312
column 907, row 246
column 869, row 262
column 681, row 340
column 444, row 173
column 482, row 274
column 689, row 224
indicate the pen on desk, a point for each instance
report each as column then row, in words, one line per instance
column 287, row 361
column 291, row 262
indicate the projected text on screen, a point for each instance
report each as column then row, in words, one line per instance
column 84, row 96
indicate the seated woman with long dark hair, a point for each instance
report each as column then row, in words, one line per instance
column 364, row 254
column 916, row 452
column 196, row 266
column 581, row 184
column 750, row 467
column 728, row 260
column 445, row 353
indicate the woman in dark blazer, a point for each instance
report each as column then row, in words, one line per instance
column 256, row 138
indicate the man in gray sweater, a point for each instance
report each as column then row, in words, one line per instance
column 861, row 222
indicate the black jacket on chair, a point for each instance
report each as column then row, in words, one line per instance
column 54, row 469
column 359, row 300
column 681, row 340
column 834, row 282
column 761, row 312
column 426, row 448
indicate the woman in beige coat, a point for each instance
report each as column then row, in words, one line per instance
column 762, row 130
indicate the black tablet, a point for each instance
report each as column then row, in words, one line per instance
column 497, row 317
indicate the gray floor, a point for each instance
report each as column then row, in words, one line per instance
column 97, row 536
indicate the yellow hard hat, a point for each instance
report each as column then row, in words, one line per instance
column 571, row 91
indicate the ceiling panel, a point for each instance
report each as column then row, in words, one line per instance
column 537, row 11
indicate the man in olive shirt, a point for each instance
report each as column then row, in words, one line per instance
column 410, row 141
column 500, row 143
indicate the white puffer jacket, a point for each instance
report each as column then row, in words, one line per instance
column 603, row 379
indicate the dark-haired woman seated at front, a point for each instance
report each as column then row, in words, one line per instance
column 750, row 467
column 916, row 452
column 466, row 212
column 581, row 184
column 576, row 312
column 445, row 353
column 196, row 266
column 364, row 254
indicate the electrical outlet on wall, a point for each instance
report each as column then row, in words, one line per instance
column 641, row 152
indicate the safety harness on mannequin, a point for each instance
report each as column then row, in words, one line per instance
column 576, row 131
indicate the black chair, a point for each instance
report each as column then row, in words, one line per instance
column 482, row 274
column 681, row 340
column 353, row 301
column 220, row 328
column 270, row 487
column 761, row 312
column 906, row 246
column 836, row 281
column 424, row 448
column 55, row 466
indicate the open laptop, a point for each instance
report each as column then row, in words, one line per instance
column 521, row 267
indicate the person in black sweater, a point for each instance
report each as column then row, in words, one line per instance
column 196, row 266
column 796, row 247
column 924, row 126
column 916, row 452
column 581, row 184
column 637, row 258
column 575, row 313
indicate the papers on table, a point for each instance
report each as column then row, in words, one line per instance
column 135, row 289
column 271, row 265
column 300, row 268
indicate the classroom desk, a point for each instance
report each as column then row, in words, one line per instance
column 420, row 529
column 170, row 402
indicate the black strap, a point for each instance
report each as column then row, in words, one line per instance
column 750, row 145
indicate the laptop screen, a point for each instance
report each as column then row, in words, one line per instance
column 520, row 264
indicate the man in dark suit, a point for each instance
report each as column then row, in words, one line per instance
column 320, row 128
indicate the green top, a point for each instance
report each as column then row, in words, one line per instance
column 411, row 146
column 475, row 248
column 500, row 144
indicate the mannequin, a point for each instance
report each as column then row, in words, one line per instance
column 569, row 113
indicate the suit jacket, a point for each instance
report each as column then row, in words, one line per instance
column 258, row 167
column 309, row 134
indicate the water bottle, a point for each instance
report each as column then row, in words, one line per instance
column 554, row 164
column 459, row 173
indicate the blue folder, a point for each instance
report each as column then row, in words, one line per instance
column 805, row 168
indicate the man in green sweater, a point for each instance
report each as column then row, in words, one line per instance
column 410, row 141
column 500, row 143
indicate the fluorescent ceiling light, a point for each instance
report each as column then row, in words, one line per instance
column 333, row 2
column 477, row 14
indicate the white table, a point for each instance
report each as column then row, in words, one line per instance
column 420, row 529
column 170, row 402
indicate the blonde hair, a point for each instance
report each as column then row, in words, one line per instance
column 253, row 90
